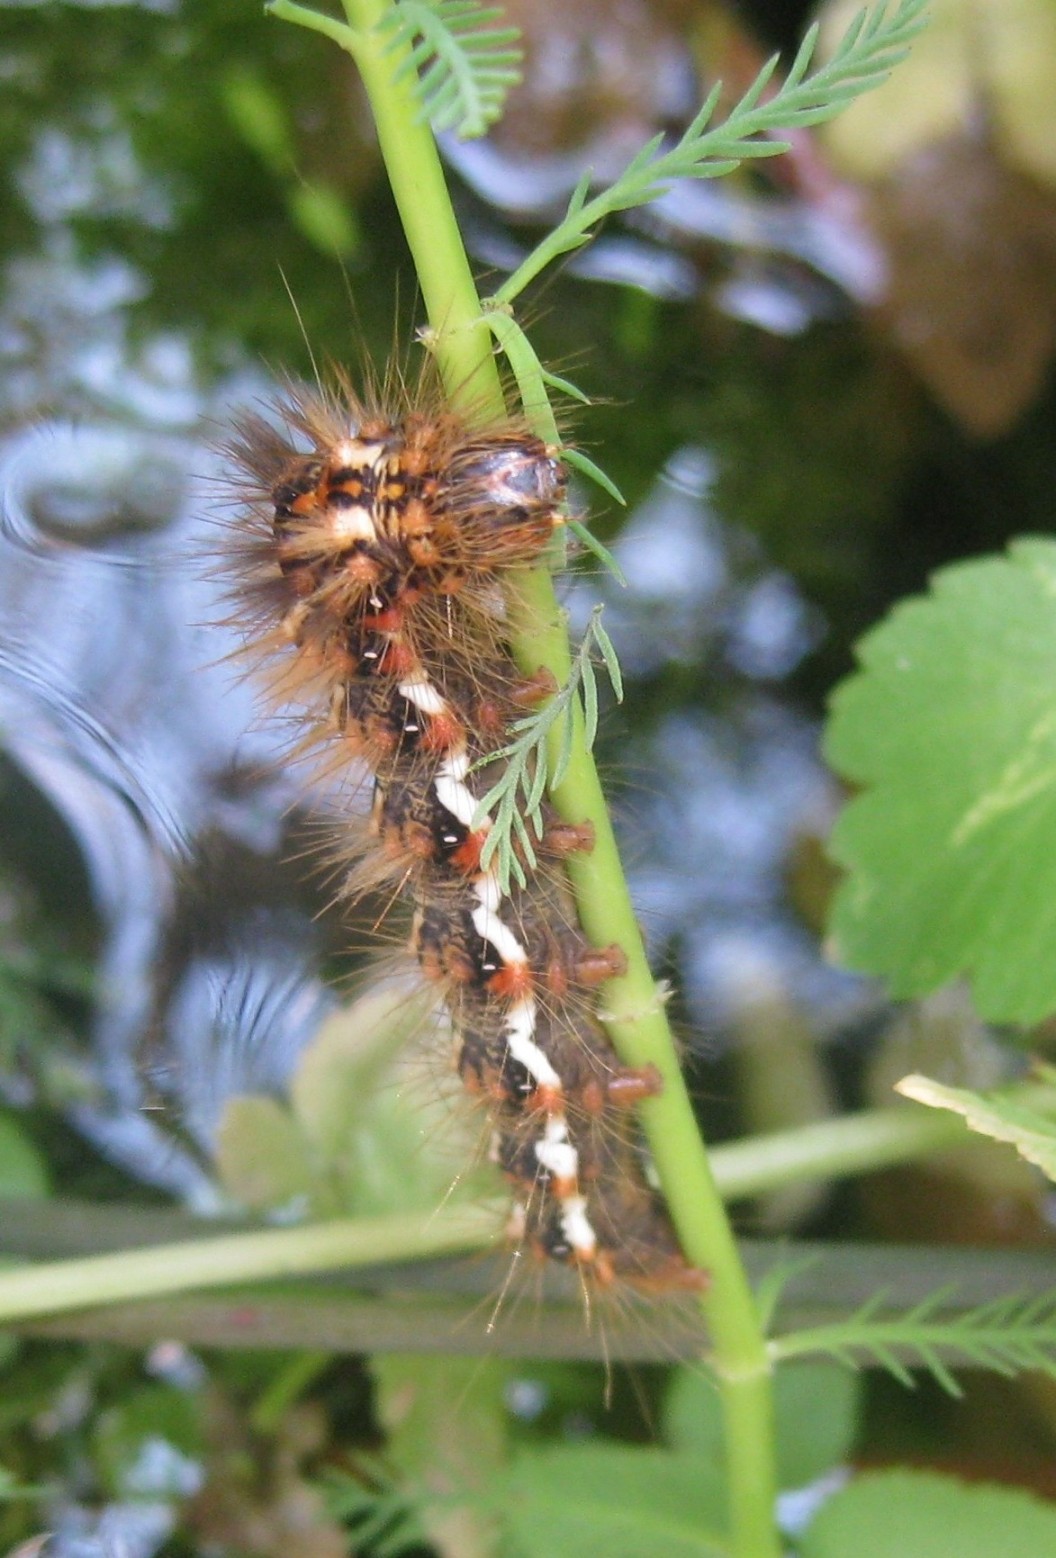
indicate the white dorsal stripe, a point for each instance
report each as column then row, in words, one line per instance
column 357, row 452
column 490, row 927
column 520, row 1026
column 555, row 1152
column 452, row 794
column 421, row 692
column 451, row 790
column 576, row 1225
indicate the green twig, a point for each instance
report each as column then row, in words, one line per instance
column 1008, row 1335
column 57, row 1286
column 870, row 49
column 832, row 1149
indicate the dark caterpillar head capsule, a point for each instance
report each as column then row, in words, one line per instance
column 512, row 474
column 504, row 494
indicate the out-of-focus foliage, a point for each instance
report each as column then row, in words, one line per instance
column 957, row 156
column 169, row 171
column 978, row 57
column 949, row 729
column 893, row 1513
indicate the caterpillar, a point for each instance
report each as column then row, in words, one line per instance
column 368, row 550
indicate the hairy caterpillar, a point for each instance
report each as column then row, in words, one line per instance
column 367, row 559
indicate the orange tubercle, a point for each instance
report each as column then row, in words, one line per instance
column 569, row 838
column 631, row 1084
column 513, row 981
column 362, row 569
column 598, row 964
column 397, row 660
column 388, row 621
column 546, row 1099
column 442, row 732
column 534, row 689
column 466, row 858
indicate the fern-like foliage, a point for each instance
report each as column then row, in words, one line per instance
column 514, row 803
column 1007, row 1335
column 872, row 46
column 383, row 1518
column 463, row 62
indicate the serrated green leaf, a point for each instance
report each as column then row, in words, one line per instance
column 904, row 1514
column 818, row 1407
column 361, row 1112
column 445, row 1435
column 333, row 1091
column 122, row 1437
column 1032, row 1134
column 950, row 728
column 612, row 1499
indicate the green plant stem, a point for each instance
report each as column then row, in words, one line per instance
column 634, row 1012
column 56, row 1286
column 462, row 342
column 830, row 1149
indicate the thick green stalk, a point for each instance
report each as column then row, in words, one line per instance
column 634, row 1007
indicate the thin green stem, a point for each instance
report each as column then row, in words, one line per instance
column 315, row 21
column 58, row 1286
column 461, row 339
column 830, row 1149
column 634, row 1014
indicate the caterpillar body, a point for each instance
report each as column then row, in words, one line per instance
column 367, row 557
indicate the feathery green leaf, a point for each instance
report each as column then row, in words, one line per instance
column 1006, row 1335
column 464, row 63
column 590, row 542
column 514, row 802
column 554, row 381
column 873, row 45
